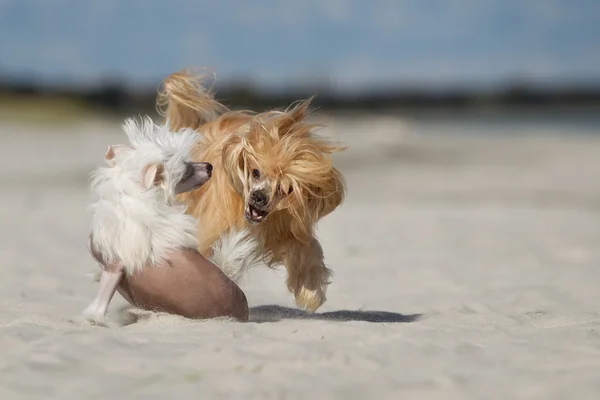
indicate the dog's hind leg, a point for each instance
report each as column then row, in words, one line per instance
column 308, row 276
column 109, row 280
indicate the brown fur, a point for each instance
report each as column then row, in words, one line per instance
column 283, row 146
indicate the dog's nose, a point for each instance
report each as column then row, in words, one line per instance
column 259, row 198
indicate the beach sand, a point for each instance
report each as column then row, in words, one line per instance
column 467, row 266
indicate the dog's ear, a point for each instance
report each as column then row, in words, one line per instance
column 151, row 175
column 295, row 114
column 233, row 163
column 328, row 196
column 113, row 151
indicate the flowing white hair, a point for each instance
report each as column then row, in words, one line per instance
column 139, row 226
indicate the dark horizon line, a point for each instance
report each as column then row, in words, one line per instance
column 117, row 97
column 321, row 84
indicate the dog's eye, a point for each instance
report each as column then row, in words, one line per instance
column 255, row 173
column 280, row 190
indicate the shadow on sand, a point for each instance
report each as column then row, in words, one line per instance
column 273, row 313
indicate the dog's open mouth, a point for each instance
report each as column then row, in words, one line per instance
column 254, row 215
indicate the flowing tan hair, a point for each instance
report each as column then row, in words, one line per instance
column 282, row 142
column 285, row 145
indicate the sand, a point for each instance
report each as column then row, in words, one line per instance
column 467, row 266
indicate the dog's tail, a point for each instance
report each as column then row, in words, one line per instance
column 186, row 103
column 235, row 252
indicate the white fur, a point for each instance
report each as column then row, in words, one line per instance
column 235, row 252
column 139, row 227
column 136, row 226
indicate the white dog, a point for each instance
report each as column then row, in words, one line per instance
column 137, row 222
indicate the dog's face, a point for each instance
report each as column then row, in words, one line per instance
column 265, row 189
column 157, row 159
column 278, row 164
column 196, row 174
column 170, row 176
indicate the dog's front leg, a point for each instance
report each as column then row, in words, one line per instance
column 308, row 276
column 109, row 280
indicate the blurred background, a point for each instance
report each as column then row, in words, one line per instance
column 65, row 57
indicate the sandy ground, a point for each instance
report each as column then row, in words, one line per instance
column 467, row 267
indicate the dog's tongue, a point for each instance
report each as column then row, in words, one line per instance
column 255, row 213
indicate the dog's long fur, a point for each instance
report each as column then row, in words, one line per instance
column 139, row 227
column 290, row 157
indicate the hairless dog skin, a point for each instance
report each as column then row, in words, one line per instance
column 185, row 284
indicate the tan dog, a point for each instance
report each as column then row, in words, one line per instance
column 145, row 241
column 272, row 174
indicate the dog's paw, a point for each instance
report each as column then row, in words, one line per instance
column 310, row 299
column 98, row 322
column 92, row 316
column 87, row 320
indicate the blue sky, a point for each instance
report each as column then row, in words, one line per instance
column 353, row 43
